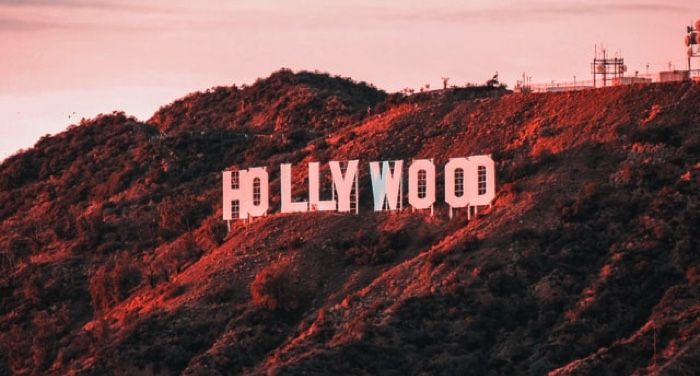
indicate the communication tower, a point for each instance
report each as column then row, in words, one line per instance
column 606, row 68
column 692, row 41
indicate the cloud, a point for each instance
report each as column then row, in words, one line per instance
column 8, row 24
column 17, row 24
column 524, row 11
column 130, row 16
column 90, row 15
column 73, row 4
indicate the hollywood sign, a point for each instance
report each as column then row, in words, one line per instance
column 469, row 182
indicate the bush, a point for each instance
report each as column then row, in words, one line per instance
column 370, row 255
column 183, row 252
column 216, row 231
column 370, row 249
column 657, row 135
column 180, row 215
column 504, row 284
column 34, row 289
column 47, row 327
column 278, row 287
column 111, row 283
column 177, row 289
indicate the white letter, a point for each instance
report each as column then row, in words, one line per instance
column 259, row 174
column 343, row 184
column 480, row 196
column 451, row 168
column 314, row 194
column 286, row 186
column 386, row 186
column 428, row 198
column 232, row 194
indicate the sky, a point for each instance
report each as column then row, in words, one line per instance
column 62, row 60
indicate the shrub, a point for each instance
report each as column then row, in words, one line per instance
column 89, row 228
column 183, row 252
column 370, row 249
column 175, row 290
column 216, row 230
column 180, row 215
column 34, row 288
column 657, row 135
column 47, row 327
column 504, row 284
column 111, row 283
column 370, row 255
column 126, row 276
column 278, row 287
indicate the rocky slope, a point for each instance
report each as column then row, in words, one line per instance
column 114, row 259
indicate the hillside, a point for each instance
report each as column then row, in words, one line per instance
column 114, row 259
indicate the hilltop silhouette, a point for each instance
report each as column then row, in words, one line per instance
column 114, row 258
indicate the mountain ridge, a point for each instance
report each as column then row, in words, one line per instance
column 115, row 258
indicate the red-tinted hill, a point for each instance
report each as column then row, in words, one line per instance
column 114, row 259
column 283, row 102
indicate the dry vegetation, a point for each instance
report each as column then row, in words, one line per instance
column 112, row 257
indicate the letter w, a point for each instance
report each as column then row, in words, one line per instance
column 386, row 185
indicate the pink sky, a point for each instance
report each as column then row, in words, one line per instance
column 78, row 58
